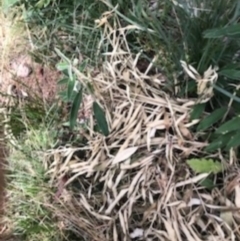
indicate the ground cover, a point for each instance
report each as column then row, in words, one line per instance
column 122, row 120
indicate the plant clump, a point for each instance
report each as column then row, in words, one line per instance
column 143, row 144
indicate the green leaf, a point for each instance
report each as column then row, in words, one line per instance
column 235, row 66
column 205, row 166
column 230, row 31
column 63, row 81
column 101, row 119
column 218, row 141
column 231, row 125
column 62, row 66
column 70, row 87
column 234, row 140
column 7, row 4
column 211, row 119
column 75, row 108
column 197, row 111
column 70, row 73
column 90, row 87
column 42, row 3
column 214, row 146
column 190, row 88
column 207, row 183
column 237, row 99
column 63, row 96
column 231, row 73
column 83, row 65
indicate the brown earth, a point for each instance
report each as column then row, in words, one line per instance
column 23, row 76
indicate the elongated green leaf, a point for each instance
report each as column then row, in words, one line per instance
column 235, row 66
column 211, row 119
column 63, row 81
column 234, row 140
column 218, row 141
column 205, row 165
column 207, row 183
column 83, row 65
column 230, row 31
column 190, row 88
column 90, row 87
column 101, row 119
column 231, row 73
column 213, row 146
column 75, row 108
column 237, row 99
column 70, row 87
column 70, row 73
column 232, row 125
column 129, row 20
column 197, row 111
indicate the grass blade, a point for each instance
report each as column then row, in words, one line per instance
column 230, row 31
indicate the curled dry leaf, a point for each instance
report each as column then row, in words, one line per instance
column 227, row 217
column 204, row 83
column 124, row 155
column 184, row 131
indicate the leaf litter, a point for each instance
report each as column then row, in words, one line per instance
column 134, row 182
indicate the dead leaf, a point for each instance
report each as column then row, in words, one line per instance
column 237, row 196
column 125, row 154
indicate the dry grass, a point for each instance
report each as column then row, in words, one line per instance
column 137, row 176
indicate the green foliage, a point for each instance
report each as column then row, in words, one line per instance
column 31, row 114
column 7, row 4
column 231, row 73
column 67, row 25
column 73, row 91
column 212, row 119
column 28, row 204
column 218, row 142
column 232, row 31
column 101, row 119
column 231, row 125
column 226, row 136
column 205, row 166
column 207, row 183
column 73, row 94
column 197, row 111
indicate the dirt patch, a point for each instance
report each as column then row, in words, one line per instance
column 24, row 77
column 19, row 73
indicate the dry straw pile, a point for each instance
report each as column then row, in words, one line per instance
column 135, row 182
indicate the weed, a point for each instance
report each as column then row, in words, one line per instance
column 29, row 192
